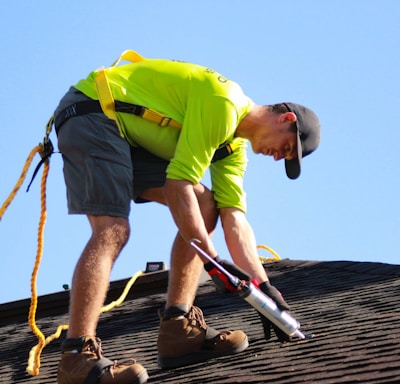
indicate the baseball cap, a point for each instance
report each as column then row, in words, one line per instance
column 308, row 137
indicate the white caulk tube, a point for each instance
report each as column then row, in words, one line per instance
column 270, row 310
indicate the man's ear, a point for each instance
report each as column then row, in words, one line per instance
column 288, row 116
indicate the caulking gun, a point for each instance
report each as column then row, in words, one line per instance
column 257, row 299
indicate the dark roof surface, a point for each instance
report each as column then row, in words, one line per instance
column 353, row 309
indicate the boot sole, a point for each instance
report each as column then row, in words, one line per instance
column 142, row 377
column 197, row 357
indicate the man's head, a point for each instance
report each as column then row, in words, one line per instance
column 284, row 131
column 307, row 129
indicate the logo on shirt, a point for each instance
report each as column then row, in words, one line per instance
column 220, row 78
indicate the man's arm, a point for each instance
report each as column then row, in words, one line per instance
column 240, row 239
column 241, row 243
column 184, row 206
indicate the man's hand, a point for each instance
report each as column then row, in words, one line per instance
column 275, row 295
column 268, row 326
column 221, row 281
column 223, row 284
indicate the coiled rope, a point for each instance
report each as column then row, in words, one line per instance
column 270, row 250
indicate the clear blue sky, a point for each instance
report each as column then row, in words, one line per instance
column 340, row 57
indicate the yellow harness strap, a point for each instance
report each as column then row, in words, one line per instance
column 128, row 55
column 105, row 96
column 107, row 100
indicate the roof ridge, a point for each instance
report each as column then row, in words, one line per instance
column 363, row 267
column 360, row 267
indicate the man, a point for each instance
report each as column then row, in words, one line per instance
column 114, row 152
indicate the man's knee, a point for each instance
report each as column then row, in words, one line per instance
column 110, row 231
column 207, row 205
column 205, row 198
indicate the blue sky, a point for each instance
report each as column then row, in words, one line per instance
column 341, row 58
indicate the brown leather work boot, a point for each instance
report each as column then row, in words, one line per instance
column 82, row 362
column 185, row 339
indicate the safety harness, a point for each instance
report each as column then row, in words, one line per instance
column 107, row 105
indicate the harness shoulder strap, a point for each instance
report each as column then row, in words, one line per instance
column 106, row 98
column 128, row 55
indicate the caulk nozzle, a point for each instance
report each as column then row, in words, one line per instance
column 299, row 334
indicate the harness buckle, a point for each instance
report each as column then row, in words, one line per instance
column 164, row 122
column 47, row 149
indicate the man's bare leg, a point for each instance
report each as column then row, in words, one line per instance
column 91, row 277
column 81, row 352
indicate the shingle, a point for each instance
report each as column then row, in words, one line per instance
column 353, row 308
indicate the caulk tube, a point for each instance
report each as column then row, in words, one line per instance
column 268, row 308
column 262, row 303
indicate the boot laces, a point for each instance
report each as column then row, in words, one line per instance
column 196, row 315
column 93, row 345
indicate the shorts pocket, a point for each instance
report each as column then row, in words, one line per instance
column 108, row 181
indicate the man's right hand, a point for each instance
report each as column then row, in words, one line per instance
column 221, row 281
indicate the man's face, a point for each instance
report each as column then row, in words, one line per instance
column 280, row 144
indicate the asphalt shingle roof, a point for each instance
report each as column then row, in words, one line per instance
column 352, row 308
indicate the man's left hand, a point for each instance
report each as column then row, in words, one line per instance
column 268, row 326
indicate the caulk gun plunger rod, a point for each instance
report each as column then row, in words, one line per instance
column 234, row 280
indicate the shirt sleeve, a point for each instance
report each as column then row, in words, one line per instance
column 227, row 178
column 209, row 121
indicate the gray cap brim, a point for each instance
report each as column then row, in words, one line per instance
column 293, row 167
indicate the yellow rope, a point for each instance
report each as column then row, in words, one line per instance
column 20, row 180
column 265, row 259
column 121, row 299
column 33, row 306
column 34, row 355
column 32, row 310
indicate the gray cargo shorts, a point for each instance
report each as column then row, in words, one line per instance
column 102, row 172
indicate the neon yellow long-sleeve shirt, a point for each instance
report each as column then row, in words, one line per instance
column 208, row 106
